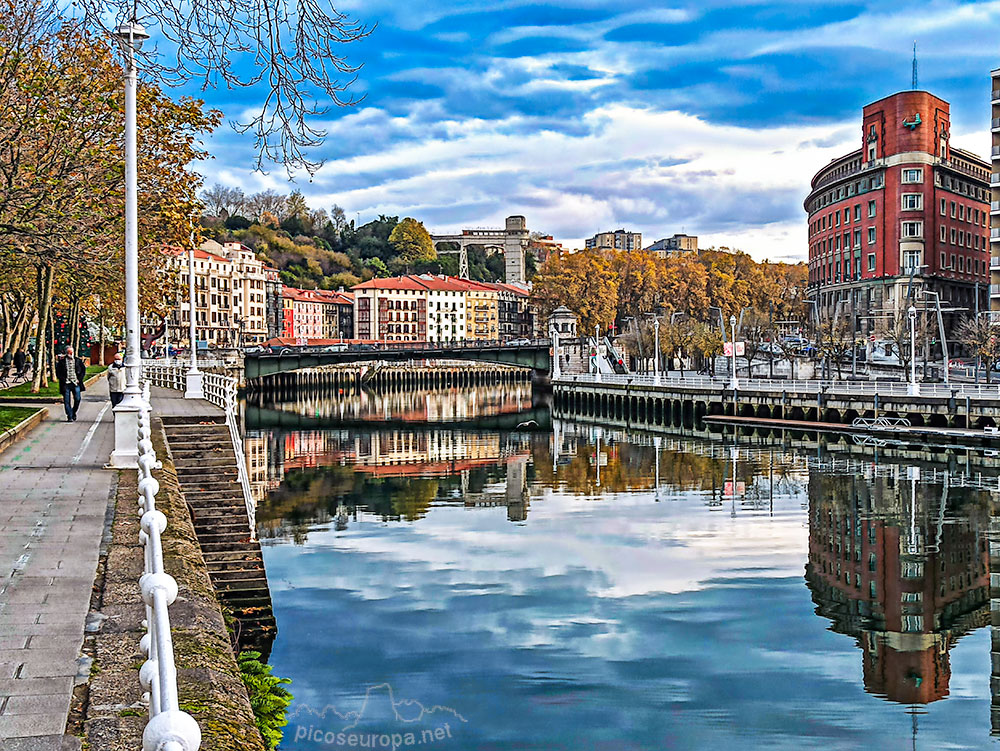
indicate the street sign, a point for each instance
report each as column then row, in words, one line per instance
column 727, row 349
column 741, row 349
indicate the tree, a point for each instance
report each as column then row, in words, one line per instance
column 266, row 202
column 338, row 218
column 982, row 338
column 223, row 202
column 412, row 243
column 291, row 50
column 584, row 283
column 61, row 179
column 706, row 341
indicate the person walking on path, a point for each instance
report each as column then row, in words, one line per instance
column 19, row 362
column 71, row 373
column 116, row 380
column 5, row 363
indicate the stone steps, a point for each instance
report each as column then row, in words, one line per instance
column 206, row 471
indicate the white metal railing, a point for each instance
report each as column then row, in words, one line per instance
column 169, row 728
column 778, row 386
column 223, row 392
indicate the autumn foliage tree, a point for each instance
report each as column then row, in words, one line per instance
column 603, row 287
column 412, row 244
column 62, row 177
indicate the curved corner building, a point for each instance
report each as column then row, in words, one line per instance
column 905, row 212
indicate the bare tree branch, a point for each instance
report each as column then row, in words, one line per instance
column 289, row 49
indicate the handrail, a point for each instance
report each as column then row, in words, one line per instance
column 223, row 392
column 169, row 728
column 869, row 388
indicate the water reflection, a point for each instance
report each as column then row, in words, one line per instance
column 903, row 567
column 590, row 588
column 415, row 405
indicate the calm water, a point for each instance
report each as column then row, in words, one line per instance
column 448, row 586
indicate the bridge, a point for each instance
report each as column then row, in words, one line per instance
column 534, row 355
column 512, row 240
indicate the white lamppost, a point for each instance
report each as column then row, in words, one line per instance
column 597, row 352
column 914, row 386
column 193, row 384
column 166, row 337
column 656, row 350
column 732, row 326
column 126, row 451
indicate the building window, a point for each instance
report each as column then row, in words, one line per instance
column 952, row 235
column 847, row 215
column 836, row 219
column 944, row 207
column 871, row 208
column 857, row 212
column 944, row 233
column 944, row 261
column 911, row 261
column 911, row 176
column 913, row 201
column 954, row 210
column 913, row 229
column 961, row 211
column 961, row 264
column 871, row 262
column 871, row 235
column 857, row 238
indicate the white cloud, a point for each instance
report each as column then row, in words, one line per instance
column 658, row 172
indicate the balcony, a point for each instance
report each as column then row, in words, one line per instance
column 995, row 207
column 995, row 290
column 995, row 123
column 996, row 95
column 995, row 179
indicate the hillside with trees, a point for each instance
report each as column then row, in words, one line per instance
column 315, row 248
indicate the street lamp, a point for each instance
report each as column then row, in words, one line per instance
column 193, row 380
column 914, row 389
column 732, row 325
column 126, row 451
column 656, row 350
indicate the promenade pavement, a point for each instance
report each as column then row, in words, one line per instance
column 54, row 507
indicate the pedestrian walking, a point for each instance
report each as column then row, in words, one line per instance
column 116, row 380
column 19, row 363
column 29, row 362
column 5, row 361
column 71, row 374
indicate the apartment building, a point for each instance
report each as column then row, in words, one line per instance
column 620, row 239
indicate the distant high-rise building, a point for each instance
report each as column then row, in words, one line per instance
column 904, row 213
column 620, row 239
column 995, row 193
column 675, row 244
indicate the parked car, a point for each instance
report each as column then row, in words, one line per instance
column 340, row 347
column 518, row 343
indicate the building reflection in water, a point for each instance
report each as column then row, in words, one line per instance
column 901, row 565
column 418, row 405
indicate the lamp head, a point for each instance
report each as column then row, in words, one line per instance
column 732, row 320
column 133, row 34
column 912, row 311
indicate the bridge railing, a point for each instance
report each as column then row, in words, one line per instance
column 778, row 386
column 463, row 344
column 223, row 392
column 169, row 728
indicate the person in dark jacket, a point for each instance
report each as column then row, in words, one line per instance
column 71, row 374
column 19, row 362
column 5, row 360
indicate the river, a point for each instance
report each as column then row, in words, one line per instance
column 441, row 583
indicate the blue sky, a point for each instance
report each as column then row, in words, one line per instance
column 707, row 117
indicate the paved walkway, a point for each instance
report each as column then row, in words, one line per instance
column 54, row 496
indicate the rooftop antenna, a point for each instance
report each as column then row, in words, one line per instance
column 915, row 66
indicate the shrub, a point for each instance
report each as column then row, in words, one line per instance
column 269, row 699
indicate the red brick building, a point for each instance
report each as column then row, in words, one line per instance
column 905, row 212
